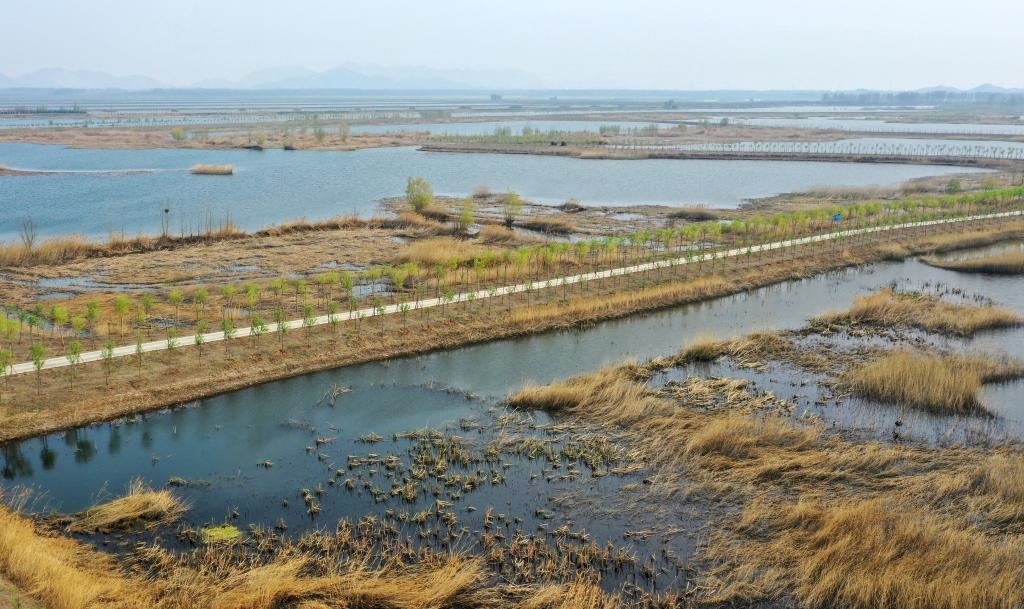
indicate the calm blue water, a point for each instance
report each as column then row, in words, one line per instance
column 879, row 126
column 276, row 185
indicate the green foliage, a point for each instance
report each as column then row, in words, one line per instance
column 511, row 208
column 467, row 216
column 419, row 193
column 38, row 354
column 74, row 352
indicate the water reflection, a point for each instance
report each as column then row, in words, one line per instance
column 330, row 183
column 221, row 440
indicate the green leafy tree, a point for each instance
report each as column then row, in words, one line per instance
column 175, row 296
column 107, row 353
column 467, row 216
column 74, row 355
column 202, row 327
column 59, row 317
column 122, row 305
column 332, row 314
column 282, row 328
column 38, row 353
column 6, row 362
column 258, row 328
column 511, row 209
column 199, row 299
column 419, row 193
column 308, row 318
column 92, row 314
column 228, row 329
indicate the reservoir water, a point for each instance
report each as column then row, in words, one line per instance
column 127, row 191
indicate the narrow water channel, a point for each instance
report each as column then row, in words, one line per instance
column 221, row 439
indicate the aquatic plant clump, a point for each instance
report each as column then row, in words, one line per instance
column 213, row 170
column 1003, row 264
column 219, row 534
column 141, row 507
column 936, row 383
column 889, row 309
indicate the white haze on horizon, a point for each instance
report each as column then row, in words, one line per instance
column 642, row 44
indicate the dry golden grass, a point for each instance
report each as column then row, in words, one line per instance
column 614, row 304
column 936, row 383
column 887, row 308
column 495, row 234
column 141, row 507
column 946, row 242
column 826, row 522
column 57, row 250
column 740, row 437
column 574, row 595
column 1003, row 264
column 892, row 251
column 60, row 572
column 49, row 251
column 64, row 574
column 439, row 250
column 872, row 554
column 702, row 349
column 213, row 170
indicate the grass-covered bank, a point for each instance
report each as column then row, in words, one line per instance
column 34, row 404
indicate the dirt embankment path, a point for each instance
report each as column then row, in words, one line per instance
column 34, row 404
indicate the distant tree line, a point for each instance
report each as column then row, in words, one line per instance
column 923, row 98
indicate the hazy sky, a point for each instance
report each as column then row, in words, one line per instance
column 891, row 44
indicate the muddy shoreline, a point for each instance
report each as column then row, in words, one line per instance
column 624, row 154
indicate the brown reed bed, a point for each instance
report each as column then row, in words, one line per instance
column 870, row 553
column 57, row 250
column 213, row 170
column 1011, row 263
column 140, row 507
column 342, row 569
column 890, row 309
column 555, row 226
column 825, row 520
column 440, row 250
column 942, row 384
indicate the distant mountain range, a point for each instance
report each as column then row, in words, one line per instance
column 346, row 77
column 289, row 78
